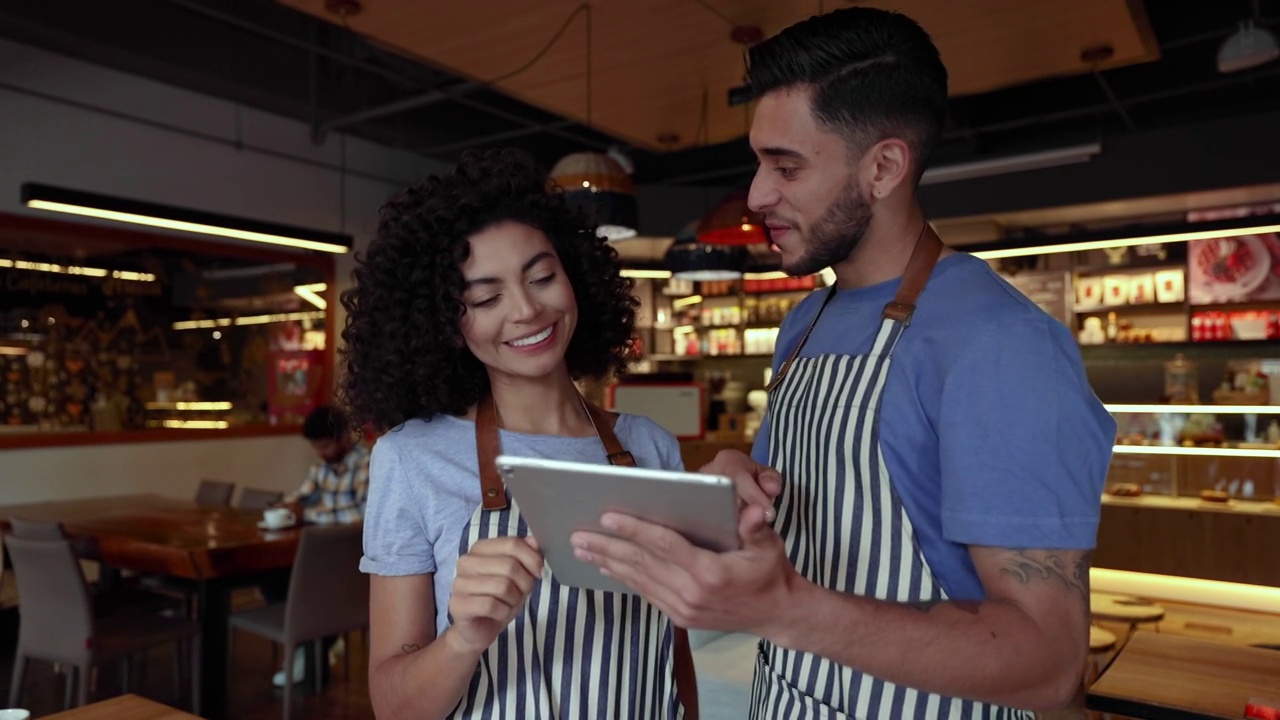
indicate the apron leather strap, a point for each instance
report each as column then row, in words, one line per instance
column 919, row 268
column 923, row 257
column 493, row 496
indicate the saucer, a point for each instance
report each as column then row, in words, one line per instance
column 264, row 525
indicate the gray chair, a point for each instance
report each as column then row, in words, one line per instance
column 110, row 596
column 57, row 622
column 255, row 500
column 328, row 596
column 214, row 493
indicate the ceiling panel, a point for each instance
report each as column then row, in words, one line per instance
column 653, row 61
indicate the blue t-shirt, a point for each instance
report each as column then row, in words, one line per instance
column 990, row 430
column 424, row 486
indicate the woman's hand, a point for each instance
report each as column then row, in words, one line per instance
column 493, row 581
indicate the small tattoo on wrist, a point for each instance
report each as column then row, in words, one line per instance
column 410, row 648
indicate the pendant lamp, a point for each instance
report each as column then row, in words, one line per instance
column 689, row 259
column 731, row 222
column 598, row 186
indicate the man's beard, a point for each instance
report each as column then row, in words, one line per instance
column 833, row 237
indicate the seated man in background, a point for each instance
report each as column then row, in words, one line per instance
column 335, row 488
column 334, row 492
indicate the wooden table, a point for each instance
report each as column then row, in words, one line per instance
column 125, row 707
column 215, row 549
column 1173, row 677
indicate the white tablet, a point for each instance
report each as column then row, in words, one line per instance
column 558, row 498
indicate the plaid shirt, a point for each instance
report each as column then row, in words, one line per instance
column 336, row 492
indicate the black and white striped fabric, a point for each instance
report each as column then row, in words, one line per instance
column 572, row 653
column 845, row 529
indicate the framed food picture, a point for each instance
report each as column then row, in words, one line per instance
column 1088, row 292
column 1142, row 289
column 1233, row 269
column 1115, row 290
column 1170, row 286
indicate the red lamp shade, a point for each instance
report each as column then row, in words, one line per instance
column 731, row 222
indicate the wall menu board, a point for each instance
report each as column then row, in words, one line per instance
column 1051, row 290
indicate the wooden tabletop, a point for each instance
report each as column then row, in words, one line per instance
column 1123, row 608
column 125, row 707
column 1172, row 676
column 156, row 534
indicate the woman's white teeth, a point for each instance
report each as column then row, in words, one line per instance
column 533, row 339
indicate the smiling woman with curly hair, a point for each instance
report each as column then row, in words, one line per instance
column 479, row 302
column 402, row 334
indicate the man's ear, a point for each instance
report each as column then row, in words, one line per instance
column 886, row 167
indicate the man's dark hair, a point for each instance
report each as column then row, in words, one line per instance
column 326, row 422
column 874, row 74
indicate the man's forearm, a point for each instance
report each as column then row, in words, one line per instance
column 989, row 651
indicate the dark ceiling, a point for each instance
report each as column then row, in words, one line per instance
column 267, row 56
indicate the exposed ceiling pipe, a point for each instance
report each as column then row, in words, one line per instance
column 495, row 137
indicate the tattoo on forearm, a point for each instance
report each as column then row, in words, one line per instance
column 1069, row 567
column 410, row 648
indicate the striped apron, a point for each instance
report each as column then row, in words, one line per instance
column 571, row 653
column 841, row 521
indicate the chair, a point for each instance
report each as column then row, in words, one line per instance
column 255, row 500
column 109, row 596
column 214, row 493
column 57, row 622
column 328, row 595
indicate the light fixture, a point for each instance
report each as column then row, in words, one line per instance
column 1011, row 164
column 311, row 293
column 600, row 188
column 190, row 405
column 686, row 301
column 196, row 424
column 1232, row 227
column 75, row 202
column 732, row 222
column 1248, row 47
column 1190, row 409
column 1200, row 451
column 76, row 270
column 639, row 274
column 689, row 259
column 246, row 320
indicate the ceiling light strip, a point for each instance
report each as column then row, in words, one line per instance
column 246, row 320
column 1197, row 409
column 1176, row 237
column 311, row 293
column 75, row 202
column 1199, row 451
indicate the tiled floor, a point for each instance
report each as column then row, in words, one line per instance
column 252, row 695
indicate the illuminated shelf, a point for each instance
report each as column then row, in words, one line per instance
column 1197, row 409
column 1195, row 451
column 194, row 406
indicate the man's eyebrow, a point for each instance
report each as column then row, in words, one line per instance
column 781, row 152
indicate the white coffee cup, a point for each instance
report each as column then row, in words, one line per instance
column 14, row 714
column 273, row 517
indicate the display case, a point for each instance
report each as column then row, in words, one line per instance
column 1214, row 453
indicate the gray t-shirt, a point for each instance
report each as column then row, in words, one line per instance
column 424, row 487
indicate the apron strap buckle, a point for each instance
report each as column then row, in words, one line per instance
column 899, row 311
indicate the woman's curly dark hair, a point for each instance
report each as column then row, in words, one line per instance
column 403, row 357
